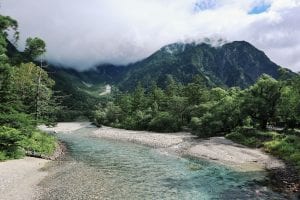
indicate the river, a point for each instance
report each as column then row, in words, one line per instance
column 97, row 168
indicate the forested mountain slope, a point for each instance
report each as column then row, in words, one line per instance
column 233, row 64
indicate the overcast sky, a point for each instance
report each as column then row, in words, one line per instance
column 83, row 33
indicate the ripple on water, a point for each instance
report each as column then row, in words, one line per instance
column 103, row 169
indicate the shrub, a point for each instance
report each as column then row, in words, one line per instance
column 2, row 156
column 40, row 143
column 16, row 120
column 99, row 118
column 206, row 126
column 10, row 143
column 164, row 122
column 286, row 147
column 250, row 136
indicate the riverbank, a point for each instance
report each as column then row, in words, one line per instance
column 215, row 149
column 20, row 178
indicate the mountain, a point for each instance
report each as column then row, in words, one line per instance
column 232, row 64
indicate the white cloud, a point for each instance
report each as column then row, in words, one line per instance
column 82, row 33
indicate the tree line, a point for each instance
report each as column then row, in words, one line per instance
column 206, row 111
column 245, row 116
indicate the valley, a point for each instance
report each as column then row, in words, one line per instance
column 123, row 106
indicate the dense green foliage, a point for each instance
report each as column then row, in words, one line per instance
column 207, row 111
column 16, row 143
column 242, row 115
column 26, row 97
column 10, row 143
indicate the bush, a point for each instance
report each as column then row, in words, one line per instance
column 206, row 126
column 284, row 146
column 287, row 147
column 40, row 143
column 14, row 143
column 250, row 136
column 164, row 122
column 2, row 156
column 243, row 139
column 142, row 120
column 16, row 120
column 99, row 118
column 10, row 143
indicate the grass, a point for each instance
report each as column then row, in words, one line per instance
column 283, row 145
column 40, row 143
column 251, row 137
column 286, row 147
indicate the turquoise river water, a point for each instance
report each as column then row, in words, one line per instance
column 102, row 169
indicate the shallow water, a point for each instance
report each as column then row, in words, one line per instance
column 102, row 169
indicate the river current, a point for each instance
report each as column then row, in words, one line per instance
column 103, row 169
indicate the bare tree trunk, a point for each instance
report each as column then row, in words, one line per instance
column 37, row 98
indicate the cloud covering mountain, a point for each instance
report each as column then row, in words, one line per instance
column 82, row 33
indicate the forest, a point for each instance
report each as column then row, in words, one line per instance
column 26, row 97
column 267, row 114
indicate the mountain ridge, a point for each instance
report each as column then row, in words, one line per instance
column 237, row 63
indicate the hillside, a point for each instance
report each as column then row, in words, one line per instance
column 233, row 64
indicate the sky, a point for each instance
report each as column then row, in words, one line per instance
column 82, row 34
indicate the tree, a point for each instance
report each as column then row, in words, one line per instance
column 34, row 48
column 196, row 92
column 289, row 105
column 261, row 100
column 34, row 88
column 171, row 86
column 10, row 146
column 7, row 23
column 177, row 106
column 220, row 114
column 164, row 122
column 138, row 97
column 157, row 97
column 8, row 99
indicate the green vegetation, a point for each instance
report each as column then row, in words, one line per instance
column 231, row 65
column 186, row 99
column 236, row 64
column 241, row 115
column 26, row 97
column 285, row 146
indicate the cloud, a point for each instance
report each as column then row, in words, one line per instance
column 82, row 34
